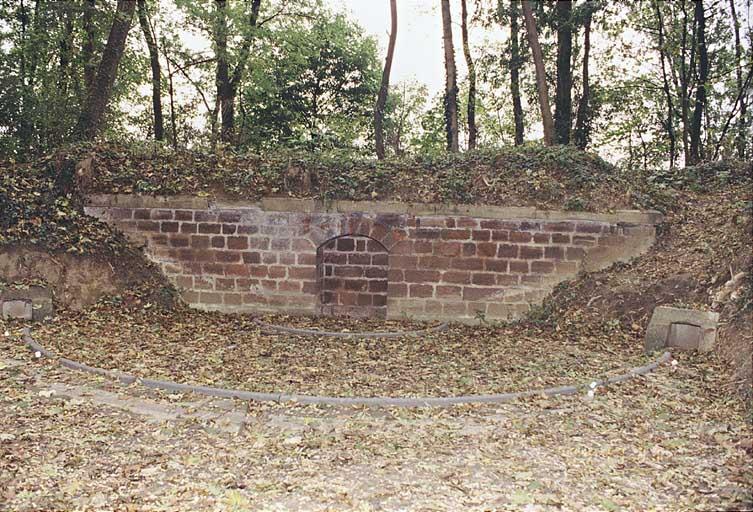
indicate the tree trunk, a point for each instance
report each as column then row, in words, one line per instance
column 563, row 101
column 670, row 122
column 65, row 45
column 385, row 86
column 741, row 135
column 515, row 63
column 98, row 94
column 87, row 49
column 451, row 84
column 472, row 128
column 582, row 120
column 696, row 151
column 538, row 60
column 227, row 85
column 159, row 130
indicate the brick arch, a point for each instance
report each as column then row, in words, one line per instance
column 383, row 230
column 352, row 276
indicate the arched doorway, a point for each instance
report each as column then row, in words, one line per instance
column 352, row 277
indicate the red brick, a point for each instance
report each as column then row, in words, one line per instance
column 162, row 215
column 289, row 286
column 558, row 238
column 466, row 222
column 450, row 249
column 589, row 228
column 397, row 290
column 421, row 290
column 306, row 259
column 237, row 242
column 487, row 250
column 542, row 267
column 229, row 229
column 310, row 287
column 427, row 234
column 358, row 285
column 507, row 280
column 395, row 275
column 179, row 241
column 142, row 214
column 531, row 253
column 204, row 216
column 468, row 263
column 507, row 251
column 210, row 228
column 498, row 224
column 469, row 249
column 518, row 267
column 421, row 276
column 456, row 234
column 379, row 286
column 184, row 281
column 470, row 293
column 246, row 229
column 277, row 272
column 213, row 269
column 268, row 284
column 399, row 261
column 380, row 300
column 346, row 244
column 199, row 242
column 496, row 265
column 561, row 227
column 120, row 213
column 361, row 259
column 376, row 273
column 269, row 258
column 456, row 277
column 280, row 244
column 449, row 222
column 434, row 262
column 210, row 298
column 419, row 247
column 500, row 235
column 554, row 253
column 188, row 227
column 530, row 226
column 203, row 283
column 302, row 272
column 237, row 270
column 481, row 235
column 484, row 279
column 183, row 215
column 541, row 238
column 251, row 257
column 584, row 240
column 520, row 236
column 233, row 299
column 227, row 257
column 224, row 284
column 159, row 239
column 147, row 225
column 218, row 242
column 448, row 291
column 404, row 247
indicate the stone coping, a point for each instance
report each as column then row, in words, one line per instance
column 345, row 401
column 348, row 335
column 287, row 204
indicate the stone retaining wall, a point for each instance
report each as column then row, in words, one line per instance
column 441, row 262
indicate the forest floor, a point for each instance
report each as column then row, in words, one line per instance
column 669, row 441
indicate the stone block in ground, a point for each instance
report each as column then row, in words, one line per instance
column 681, row 329
column 26, row 303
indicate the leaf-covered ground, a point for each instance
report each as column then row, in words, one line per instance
column 230, row 351
column 669, row 441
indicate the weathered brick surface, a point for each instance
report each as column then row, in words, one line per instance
column 450, row 266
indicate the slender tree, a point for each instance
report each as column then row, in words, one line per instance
column 87, row 48
column 472, row 128
column 563, row 102
column 384, row 87
column 159, row 130
column 451, row 84
column 538, row 60
column 515, row 63
column 696, row 151
column 741, row 135
column 98, row 95
column 582, row 119
column 669, row 124
column 227, row 81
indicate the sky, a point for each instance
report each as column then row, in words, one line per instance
column 418, row 50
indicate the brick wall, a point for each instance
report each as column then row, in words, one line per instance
column 352, row 277
column 372, row 259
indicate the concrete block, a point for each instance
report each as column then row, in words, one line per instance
column 28, row 303
column 681, row 329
